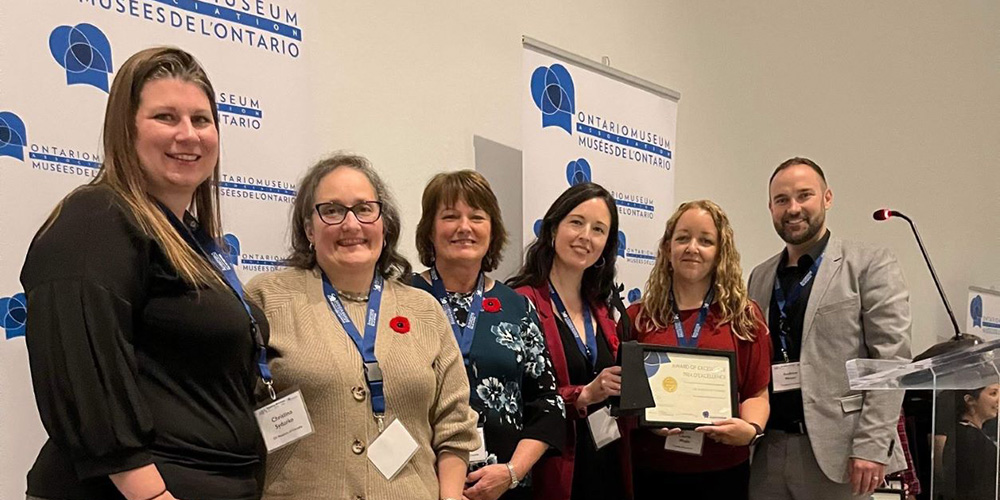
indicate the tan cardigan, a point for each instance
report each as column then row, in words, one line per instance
column 426, row 388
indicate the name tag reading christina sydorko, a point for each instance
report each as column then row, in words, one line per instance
column 284, row 420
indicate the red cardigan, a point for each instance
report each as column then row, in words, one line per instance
column 552, row 477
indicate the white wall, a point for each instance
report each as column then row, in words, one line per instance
column 898, row 101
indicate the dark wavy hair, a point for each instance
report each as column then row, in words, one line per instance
column 598, row 280
column 391, row 264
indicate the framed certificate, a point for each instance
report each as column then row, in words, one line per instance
column 691, row 387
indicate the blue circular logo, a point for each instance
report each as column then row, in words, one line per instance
column 231, row 249
column 553, row 93
column 652, row 361
column 976, row 311
column 84, row 52
column 14, row 311
column 13, row 136
column 578, row 172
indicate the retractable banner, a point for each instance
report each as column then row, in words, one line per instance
column 584, row 122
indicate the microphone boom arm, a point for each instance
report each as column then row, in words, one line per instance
column 937, row 282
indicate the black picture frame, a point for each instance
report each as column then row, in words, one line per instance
column 730, row 356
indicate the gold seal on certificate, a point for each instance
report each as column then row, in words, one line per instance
column 691, row 387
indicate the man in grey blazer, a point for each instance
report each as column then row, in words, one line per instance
column 827, row 301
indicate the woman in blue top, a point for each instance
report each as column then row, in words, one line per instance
column 460, row 237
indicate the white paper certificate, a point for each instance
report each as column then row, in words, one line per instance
column 689, row 388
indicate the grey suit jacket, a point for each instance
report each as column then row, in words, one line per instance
column 859, row 307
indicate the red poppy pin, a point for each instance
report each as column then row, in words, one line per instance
column 400, row 324
column 491, row 304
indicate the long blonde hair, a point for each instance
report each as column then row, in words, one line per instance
column 730, row 291
column 121, row 170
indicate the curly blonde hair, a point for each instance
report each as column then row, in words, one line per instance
column 730, row 291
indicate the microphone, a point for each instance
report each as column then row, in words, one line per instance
column 884, row 213
column 964, row 338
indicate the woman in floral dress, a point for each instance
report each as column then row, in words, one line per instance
column 521, row 416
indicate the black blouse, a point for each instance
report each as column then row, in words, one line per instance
column 972, row 455
column 131, row 365
column 596, row 473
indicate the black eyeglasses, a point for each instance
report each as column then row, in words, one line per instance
column 367, row 212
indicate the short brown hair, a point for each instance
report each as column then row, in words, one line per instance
column 446, row 189
column 798, row 160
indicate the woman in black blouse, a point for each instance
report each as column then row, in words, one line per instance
column 970, row 454
column 568, row 274
column 143, row 353
column 461, row 237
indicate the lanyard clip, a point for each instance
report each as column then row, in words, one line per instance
column 270, row 389
column 372, row 372
column 380, row 422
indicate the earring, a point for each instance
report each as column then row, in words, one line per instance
column 600, row 262
column 312, row 247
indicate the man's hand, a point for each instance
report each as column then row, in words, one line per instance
column 866, row 476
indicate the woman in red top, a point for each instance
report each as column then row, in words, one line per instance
column 698, row 263
column 568, row 273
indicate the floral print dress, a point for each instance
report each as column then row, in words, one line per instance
column 513, row 385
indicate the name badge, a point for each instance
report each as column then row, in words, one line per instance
column 785, row 377
column 392, row 449
column 284, row 421
column 480, row 455
column 603, row 427
column 688, row 442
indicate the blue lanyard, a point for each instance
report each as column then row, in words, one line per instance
column 589, row 349
column 366, row 345
column 210, row 250
column 706, row 303
column 463, row 336
column 793, row 297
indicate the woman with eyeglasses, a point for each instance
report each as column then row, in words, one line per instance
column 375, row 360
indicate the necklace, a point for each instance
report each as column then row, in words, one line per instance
column 353, row 297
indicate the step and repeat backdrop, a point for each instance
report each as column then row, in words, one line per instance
column 57, row 61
